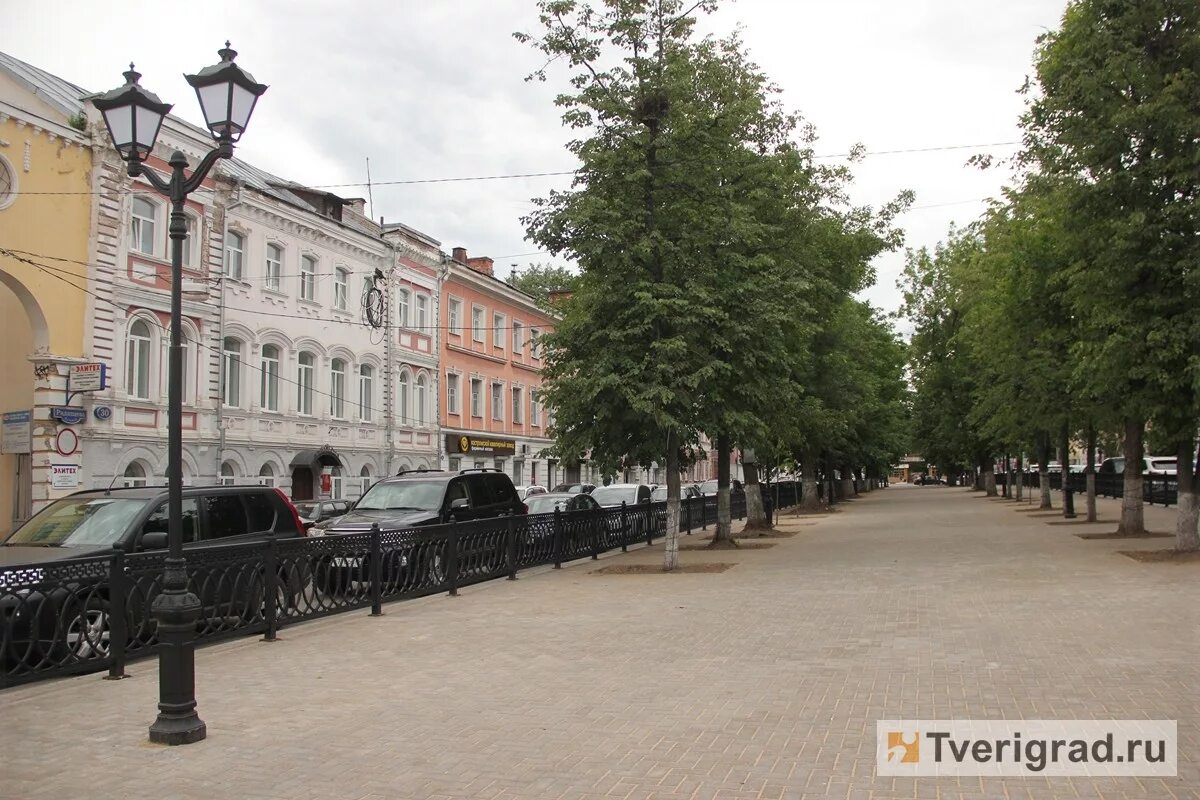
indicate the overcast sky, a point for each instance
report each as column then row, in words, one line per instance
column 436, row 89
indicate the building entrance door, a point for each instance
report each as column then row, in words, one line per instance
column 302, row 483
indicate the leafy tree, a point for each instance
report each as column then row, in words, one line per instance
column 540, row 280
column 1113, row 118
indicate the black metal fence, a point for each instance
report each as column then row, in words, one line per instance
column 88, row 614
column 1160, row 490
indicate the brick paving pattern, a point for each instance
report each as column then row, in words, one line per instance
column 760, row 683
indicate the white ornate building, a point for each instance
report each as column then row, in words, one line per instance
column 286, row 381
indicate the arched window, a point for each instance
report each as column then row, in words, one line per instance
column 231, row 374
column 137, row 361
column 142, row 224
column 228, row 474
column 365, row 479
column 235, row 251
column 274, row 267
column 305, row 371
column 341, row 289
column 338, row 481
column 269, row 391
column 366, row 392
column 308, row 278
column 337, row 388
column 266, row 475
column 420, row 400
column 189, row 367
column 135, row 475
column 402, row 399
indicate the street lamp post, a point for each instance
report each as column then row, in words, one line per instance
column 227, row 95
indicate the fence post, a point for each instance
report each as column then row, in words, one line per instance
column 376, row 576
column 597, row 547
column 624, row 533
column 452, row 561
column 271, row 590
column 512, row 547
column 649, row 524
column 703, row 511
column 118, row 603
column 558, row 539
column 687, row 505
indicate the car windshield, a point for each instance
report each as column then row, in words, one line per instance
column 308, row 510
column 660, row 493
column 547, row 503
column 79, row 522
column 709, row 487
column 403, row 496
column 1163, row 464
column 613, row 495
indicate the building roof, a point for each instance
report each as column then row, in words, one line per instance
column 61, row 94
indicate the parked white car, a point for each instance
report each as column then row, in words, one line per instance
column 524, row 492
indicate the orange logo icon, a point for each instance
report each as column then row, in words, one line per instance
column 903, row 748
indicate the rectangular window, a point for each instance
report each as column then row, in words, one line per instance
column 341, row 289
column 141, row 226
column 454, row 323
column 337, row 389
column 499, row 330
column 304, row 384
column 477, row 323
column 498, row 401
column 235, row 249
column 533, row 343
column 455, row 464
column 274, row 267
column 451, row 393
column 518, row 472
column 366, row 392
column 190, row 245
column 476, row 397
column 518, row 338
column 423, row 313
column 308, row 278
column 269, row 385
column 535, row 410
column 231, row 390
column 402, row 308
column 517, row 405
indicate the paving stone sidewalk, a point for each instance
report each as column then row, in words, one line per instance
column 763, row 682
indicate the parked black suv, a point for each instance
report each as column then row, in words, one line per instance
column 412, row 499
column 44, row 622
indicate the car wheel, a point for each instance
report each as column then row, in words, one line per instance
column 89, row 631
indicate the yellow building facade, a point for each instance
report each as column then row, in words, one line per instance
column 45, row 223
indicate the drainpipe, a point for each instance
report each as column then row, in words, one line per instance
column 389, row 410
column 235, row 202
column 443, row 457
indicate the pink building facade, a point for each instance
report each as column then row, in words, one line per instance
column 489, row 408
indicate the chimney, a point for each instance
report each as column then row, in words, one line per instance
column 481, row 264
column 557, row 296
column 459, row 254
column 357, row 204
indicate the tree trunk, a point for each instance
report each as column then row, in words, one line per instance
column 1064, row 464
column 671, row 545
column 989, row 480
column 1186, row 535
column 1019, row 477
column 723, row 535
column 1044, row 470
column 810, row 499
column 756, row 513
column 1133, row 521
column 847, row 481
column 1089, row 474
column 1007, row 477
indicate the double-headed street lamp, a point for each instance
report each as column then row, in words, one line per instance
column 133, row 115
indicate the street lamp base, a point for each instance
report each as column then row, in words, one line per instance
column 174, row 729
